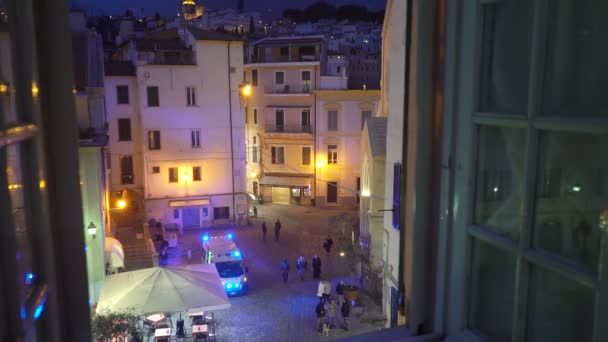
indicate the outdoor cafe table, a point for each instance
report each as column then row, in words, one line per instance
column 162, row 332
column 196, row 329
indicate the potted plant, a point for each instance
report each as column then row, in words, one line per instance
column 116, row 326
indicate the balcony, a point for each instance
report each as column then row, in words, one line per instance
column 286, row 89
column 274, row 128
column 254, row 59
column 173, row 58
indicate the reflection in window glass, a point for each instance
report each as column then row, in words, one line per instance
column 566, row 222
column 559, row 309
column 493, row 291
column 575, row 79
column 23, row 232
column 500, row 169
column 505, row 55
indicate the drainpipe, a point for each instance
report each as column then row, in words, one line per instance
column 231, row 140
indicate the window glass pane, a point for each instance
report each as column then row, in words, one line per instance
column 505, row 55
column 575, row 79
column 559, row 309
column 493, row 291
column 568, row 204
column 153, row 97
column 122, row 94
column 124, row 129
column 278, row 78
column 254, row 77
column 499, row 181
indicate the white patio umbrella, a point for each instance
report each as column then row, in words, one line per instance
column 114, row 253
column 164, row 289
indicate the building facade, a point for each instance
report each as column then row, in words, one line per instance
column 341, row 116
column 283, row 73
column 191, row 128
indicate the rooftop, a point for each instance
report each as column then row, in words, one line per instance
column 119, row 68
column 288, row 39
column 200, row 34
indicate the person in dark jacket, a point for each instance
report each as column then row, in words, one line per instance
column 264, row 231
column 255, row 211
column 340, row 293
column 277, row 230
column 328, row 244
column 316, row 267
column 346, row 313
column 285, row 269
column 320, row 310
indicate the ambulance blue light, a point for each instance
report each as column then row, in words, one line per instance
column 229, row 285
column 236, row 254
column 23, row 313
column 29, row 278
column 229, row 236
column 38, row 311
column 205, row 238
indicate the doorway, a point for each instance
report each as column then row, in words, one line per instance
column 280, row 195
column 191, row 218
column 332, row 192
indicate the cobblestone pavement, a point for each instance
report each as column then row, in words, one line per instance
column 272, row 310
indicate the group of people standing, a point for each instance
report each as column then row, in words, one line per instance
column 277, row 230
column 301, row 267
column 327, row 307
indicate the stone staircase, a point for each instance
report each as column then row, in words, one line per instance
column 137, row 255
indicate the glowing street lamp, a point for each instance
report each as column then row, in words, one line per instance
column 121, row 204
column 246, row 90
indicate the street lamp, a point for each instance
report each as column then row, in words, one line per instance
column 92, row 229
column 121, row 204
column 246, row 90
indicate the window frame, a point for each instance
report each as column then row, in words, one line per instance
column 309, row 147
column 197, row 171
column 254, row 77
column 124, row 175
column 275, row 78
column 118, row 93
column 462, row 230
column 255, row 116
column 154, row 139
column 332, row 154
column 330, row 128
column 121, row 138
column 191, row 96
column 195, row 138
column 173, row 175
column 273, row 154
column 149, row 101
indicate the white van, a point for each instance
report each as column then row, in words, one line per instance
column 228, row 259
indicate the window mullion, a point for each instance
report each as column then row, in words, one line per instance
column 522, row 276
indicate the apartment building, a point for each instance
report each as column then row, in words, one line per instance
column 283, row 72
column 191, row 124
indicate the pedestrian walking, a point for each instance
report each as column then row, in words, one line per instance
column 316, row 267
column 108, row 271
column 346, row 313
column 326, row 290
column 255, row 211
column 301, row 266
column 264, row 231
column 340, row 293
column 332, row 309
column 285, row 269
column 277, row 230
column 320, row 310
column 328, row 244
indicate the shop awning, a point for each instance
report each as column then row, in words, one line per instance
column 189, row 203
column 287, row 181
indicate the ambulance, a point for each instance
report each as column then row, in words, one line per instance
column 228, row 259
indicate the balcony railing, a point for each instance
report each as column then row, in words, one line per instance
column 288, row 89
column 282, row 59
column 174, row 58
column 274, row 128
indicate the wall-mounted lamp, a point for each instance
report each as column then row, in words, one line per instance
column 246, row 90
column 4, row 87
column 92, row 229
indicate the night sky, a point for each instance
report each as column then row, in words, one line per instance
column 268, row 8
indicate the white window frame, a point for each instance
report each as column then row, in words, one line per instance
column 195, row 138
column 332, row 154
column 191, row 96
column 337, row 120
column 276, row 147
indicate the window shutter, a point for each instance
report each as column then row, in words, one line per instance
column 397, row 196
